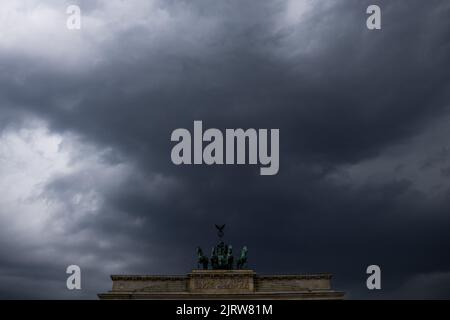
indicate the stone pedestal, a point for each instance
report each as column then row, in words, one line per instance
column 222, row 284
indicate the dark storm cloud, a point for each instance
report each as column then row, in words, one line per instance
column 340, row 94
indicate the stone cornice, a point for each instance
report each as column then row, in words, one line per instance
column 147, row 277
column 317, row 276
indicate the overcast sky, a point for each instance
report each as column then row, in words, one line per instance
column 86, row 117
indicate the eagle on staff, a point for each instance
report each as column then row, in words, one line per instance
column 220, row 230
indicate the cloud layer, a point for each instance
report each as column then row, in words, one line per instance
column 86, row 118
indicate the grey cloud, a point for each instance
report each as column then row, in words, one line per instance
column 340, row 94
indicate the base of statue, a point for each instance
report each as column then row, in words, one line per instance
column 222, row 284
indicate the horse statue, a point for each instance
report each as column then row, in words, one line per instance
column 222, row 257
column 202, row 259
column 214, row 259
column 242, row 261
column 230, row 258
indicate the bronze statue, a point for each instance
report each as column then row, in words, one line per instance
column 242, row 261
column 202, row 259
column 230, row 258
column 222, row 255
column 214, row 259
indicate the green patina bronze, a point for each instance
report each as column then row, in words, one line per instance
column 221, row 255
